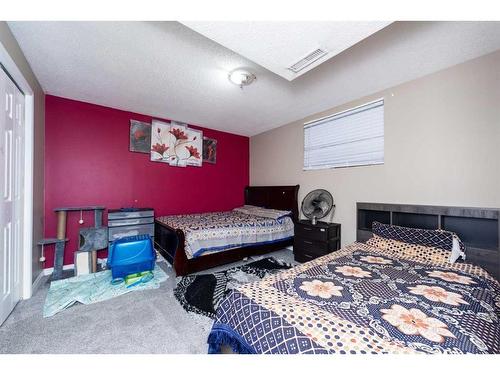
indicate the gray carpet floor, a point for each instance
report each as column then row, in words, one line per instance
column 149, row 321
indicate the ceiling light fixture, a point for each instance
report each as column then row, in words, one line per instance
column 241, row 77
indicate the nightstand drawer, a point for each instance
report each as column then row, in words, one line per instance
column 302, row 258
column 312, row 232
column 130, row 230
column 125, row 222
column 313, row 247
column 307, row 255
column 139, row 213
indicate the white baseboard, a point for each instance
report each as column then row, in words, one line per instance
column 38, row 281
column 48, row 271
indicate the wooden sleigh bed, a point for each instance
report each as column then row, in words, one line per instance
column 170, row 242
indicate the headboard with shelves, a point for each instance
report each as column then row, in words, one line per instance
column 479, row 228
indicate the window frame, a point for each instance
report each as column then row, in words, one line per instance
column 339, row 115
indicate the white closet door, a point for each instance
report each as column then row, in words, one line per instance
column 11, row 197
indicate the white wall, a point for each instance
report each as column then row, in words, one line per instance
column 442, row 146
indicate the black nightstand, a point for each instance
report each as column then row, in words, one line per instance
column 313, row 241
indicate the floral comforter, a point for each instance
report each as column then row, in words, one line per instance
column 363, row 300
column 212, row 232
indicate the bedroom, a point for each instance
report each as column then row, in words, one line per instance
column 163, row 187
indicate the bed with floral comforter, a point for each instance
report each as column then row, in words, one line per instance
column 364, row 299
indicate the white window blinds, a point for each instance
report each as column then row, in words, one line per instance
column 349, row 138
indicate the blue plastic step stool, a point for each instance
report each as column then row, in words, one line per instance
column 132, row 254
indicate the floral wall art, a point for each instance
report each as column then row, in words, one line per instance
column 176, row 144
column 160, row 141
column 195, row 147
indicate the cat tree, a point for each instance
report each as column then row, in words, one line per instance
column 91, row 239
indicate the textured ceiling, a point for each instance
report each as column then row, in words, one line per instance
column 165, row 69
column 278, row 45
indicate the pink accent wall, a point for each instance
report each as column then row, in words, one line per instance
column 87, row 162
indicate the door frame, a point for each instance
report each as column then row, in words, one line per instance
column 29, row 134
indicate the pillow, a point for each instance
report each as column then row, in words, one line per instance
column 440, row 239
column 263, row 212
column 415, row 252
column 458, row 249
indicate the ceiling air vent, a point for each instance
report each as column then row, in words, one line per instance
column 308, row 60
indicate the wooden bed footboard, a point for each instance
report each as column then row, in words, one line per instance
column 170, row 244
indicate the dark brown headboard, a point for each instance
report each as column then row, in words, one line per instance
column 277, row 197
column 479, row 228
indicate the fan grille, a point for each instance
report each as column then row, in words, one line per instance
column 318, row 203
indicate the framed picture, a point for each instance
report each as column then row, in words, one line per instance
column 160, row 141
column 178, row 123
column 178, row 139
column 140, row 136
column 209, row 150
column 176, row 144
column 194, row 147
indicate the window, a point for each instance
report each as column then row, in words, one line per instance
column 349, row 138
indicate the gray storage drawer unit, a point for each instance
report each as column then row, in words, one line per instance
column 130, row 223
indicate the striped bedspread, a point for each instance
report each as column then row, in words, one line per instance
column 363, row 299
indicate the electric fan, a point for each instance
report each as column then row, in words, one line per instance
column 317, row 204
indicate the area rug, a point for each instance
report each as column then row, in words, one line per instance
column 92, row 288
column 202, row 294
